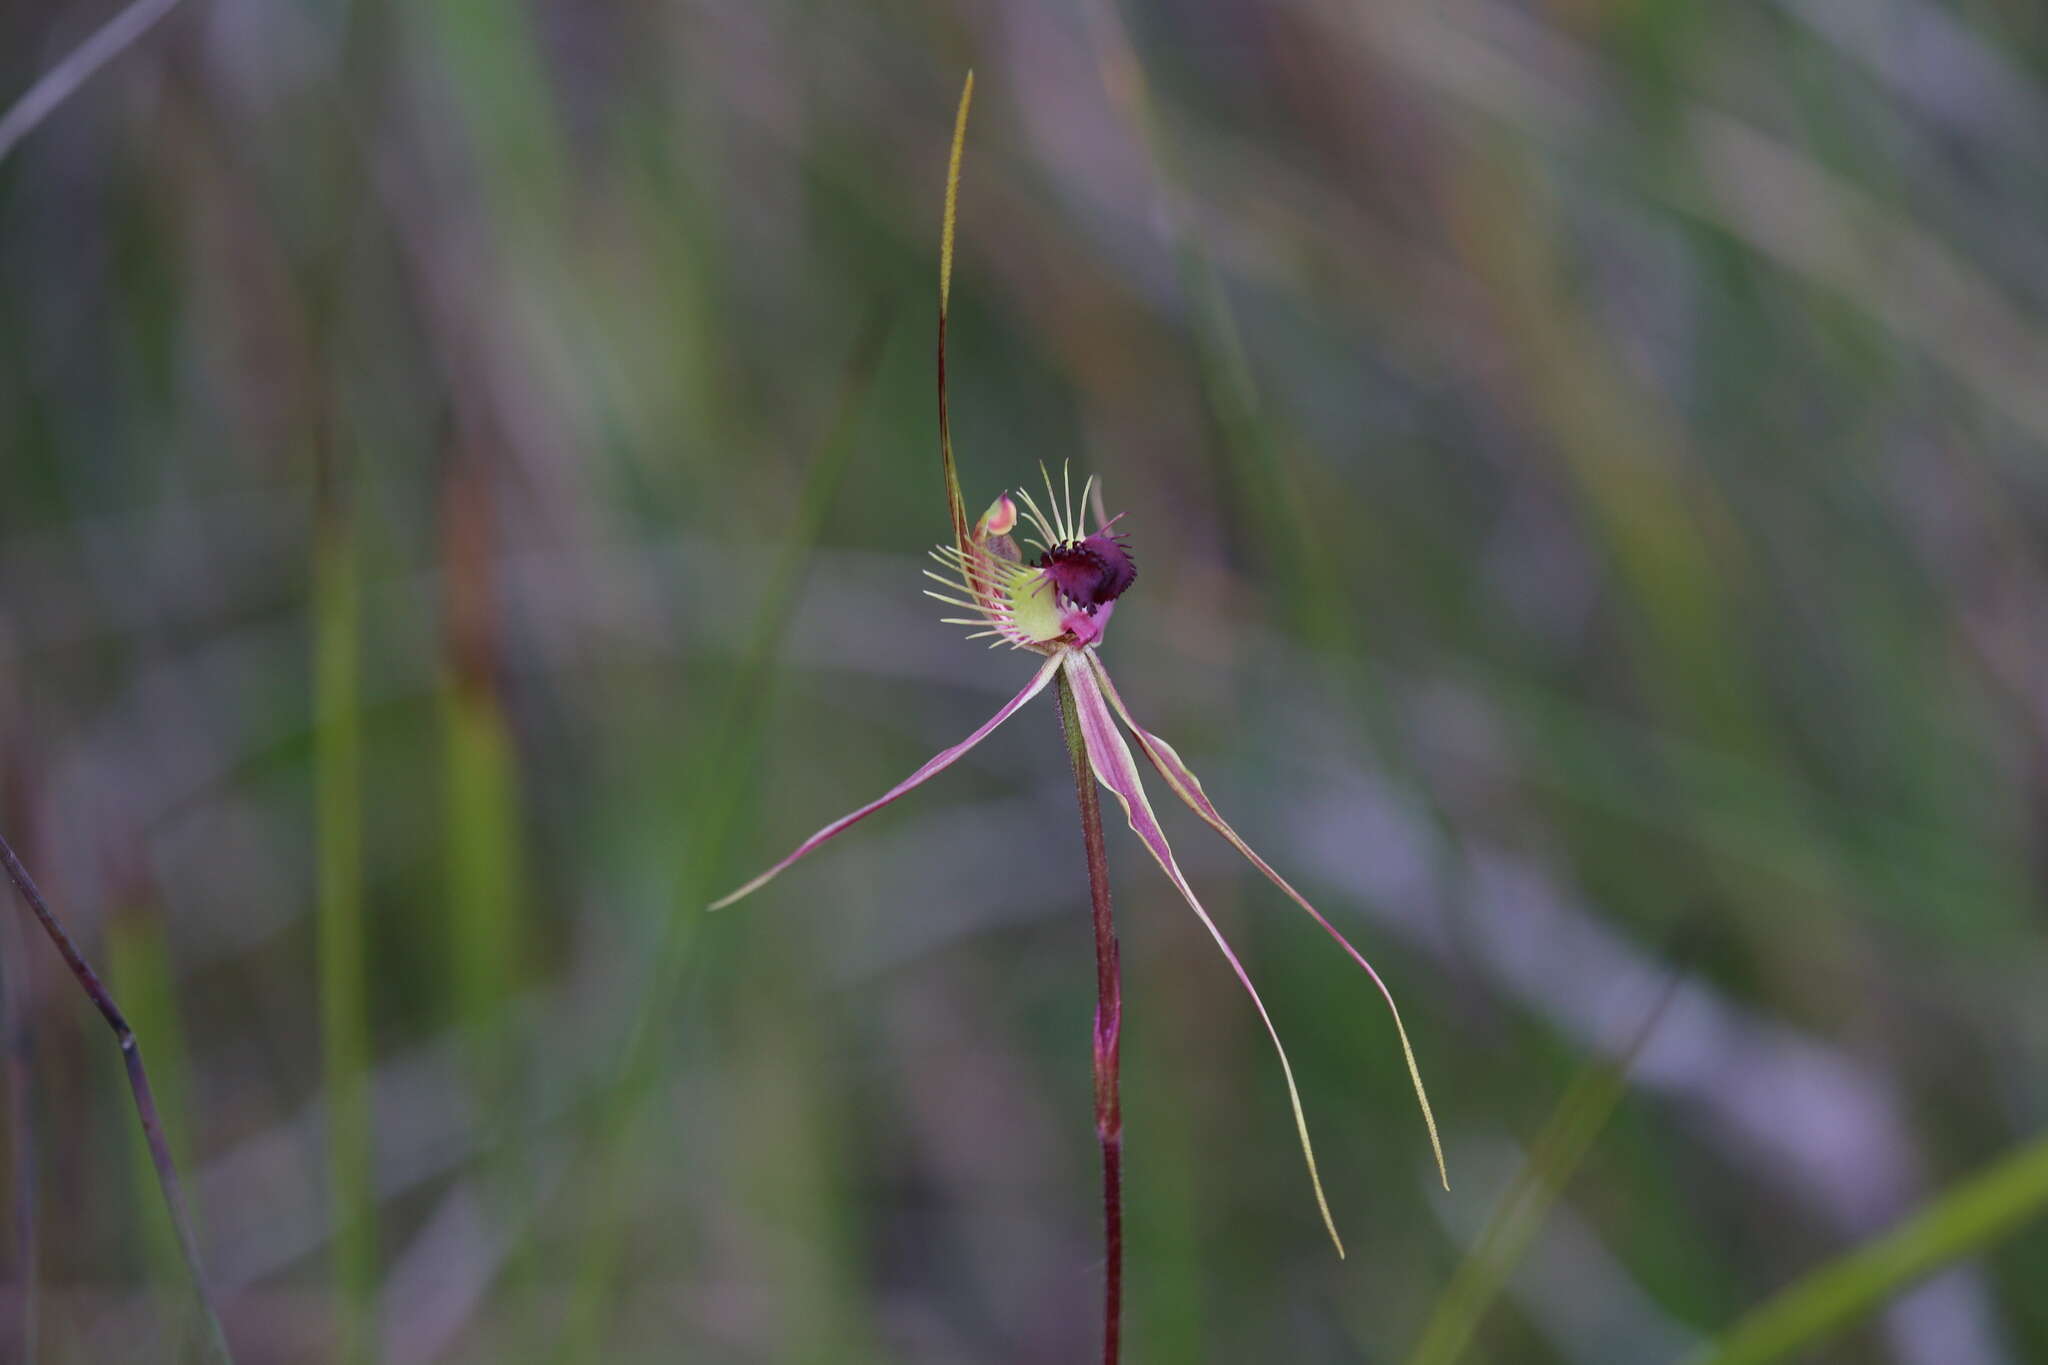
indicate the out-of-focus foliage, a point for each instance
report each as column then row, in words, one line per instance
column 1587, row 462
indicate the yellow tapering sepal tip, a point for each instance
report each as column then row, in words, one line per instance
column 953, row 194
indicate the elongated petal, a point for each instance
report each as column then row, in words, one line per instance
column 1189, row 789
column 943, row 760
column 1116, row 770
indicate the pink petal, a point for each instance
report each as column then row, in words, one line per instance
column 1189, row 788
column 1114, row 768
column 943, row 760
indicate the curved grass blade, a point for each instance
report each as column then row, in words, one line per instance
column 1969, row 1217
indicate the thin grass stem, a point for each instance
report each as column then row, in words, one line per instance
column 56, row 85
column 1554, row 1157
column 138, row 1085
column 343, row 969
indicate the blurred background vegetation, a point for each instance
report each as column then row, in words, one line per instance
column 467, row 467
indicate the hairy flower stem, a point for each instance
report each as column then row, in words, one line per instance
column 1109, row 1014
column 138, row 1083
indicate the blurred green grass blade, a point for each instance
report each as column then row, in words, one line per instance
column 1581, row 1114
column 791, row 1169
column 1313, row 581
column 488, row 933
column 344, row 1002
column 139, row 972
column 1675, row 549
column 496, row 70
column 1170, row 1298
column 486, row 926
column 1969, row 1218
column 710, row 806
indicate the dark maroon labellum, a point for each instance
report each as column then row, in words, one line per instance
column 1090, row 572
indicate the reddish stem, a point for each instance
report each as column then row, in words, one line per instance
column 1109, row 1014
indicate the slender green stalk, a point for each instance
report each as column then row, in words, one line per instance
column 344, row 996
column 1109, row 1015
column 486, row 925
column 139, row 968
column 1580, row 1117
column 138, row 1085
column 709, row 810
column 484, row 866
column 1970, row 1217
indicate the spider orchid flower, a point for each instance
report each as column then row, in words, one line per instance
column 1053, row 595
